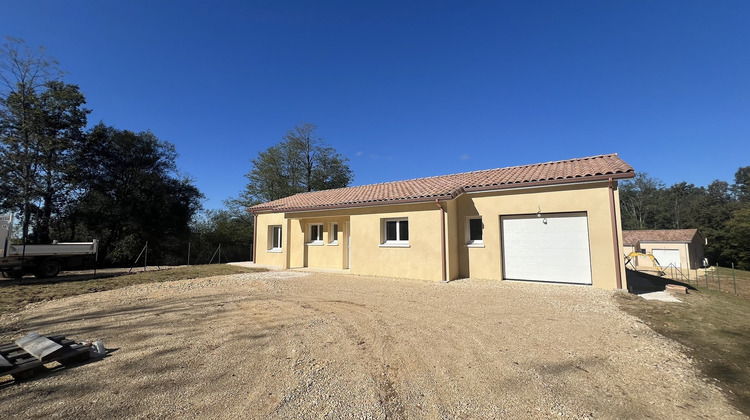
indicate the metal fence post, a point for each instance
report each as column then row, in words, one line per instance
column 145, row 257
column 735, row 280
column 718, row 276
column 705, row 270
column 188, row 253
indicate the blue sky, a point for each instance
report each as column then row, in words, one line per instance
column 411, row 89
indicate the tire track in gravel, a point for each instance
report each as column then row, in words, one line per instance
column 370, row 333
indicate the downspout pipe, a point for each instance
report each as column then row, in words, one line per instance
column 442, row 239
column 255, row 237
column 615, row 239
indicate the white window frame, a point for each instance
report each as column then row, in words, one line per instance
column 333, row 234
column 273, row 235
column 474, row 243
column 315, row 240
column 398, row 242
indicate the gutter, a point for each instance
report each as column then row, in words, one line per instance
column 355, row 206
column 615, row 239
column 442, row 240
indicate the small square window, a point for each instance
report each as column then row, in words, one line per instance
column 274, row 238
column 316, row 234
column 334, row 234
column 396, row 232
column 474, row 231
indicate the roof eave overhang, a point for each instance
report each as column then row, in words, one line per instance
column 551, row 182
column 430, row 199
column 450, row 196
column 664, row 241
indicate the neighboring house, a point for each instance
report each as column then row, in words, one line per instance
column 683, row 248
column 552, row 222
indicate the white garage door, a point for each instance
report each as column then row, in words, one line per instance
column 551, row 248
column 667, row 256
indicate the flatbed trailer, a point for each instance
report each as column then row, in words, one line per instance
column 43, row 261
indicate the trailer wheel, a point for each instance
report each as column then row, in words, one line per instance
column 48, row 268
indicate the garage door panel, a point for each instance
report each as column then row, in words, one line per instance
column 667, row 256
column 556, row 251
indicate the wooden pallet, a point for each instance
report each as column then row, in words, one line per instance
column 28, row 356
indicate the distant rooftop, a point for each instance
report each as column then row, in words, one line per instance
column 632, row 237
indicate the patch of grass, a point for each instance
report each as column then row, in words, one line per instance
column 715, row 278
column 14, row 295
column 714, row 326
column 725, row 278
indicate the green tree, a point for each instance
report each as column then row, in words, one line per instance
column 40, row 120
column 738, row 238
column 63, row 119
column 640, row 202
column 741, row 186
column 132, row 193
column 222, row 227
column 301, row 162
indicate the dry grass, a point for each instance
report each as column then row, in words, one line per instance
column 716, row 329
column 15, row 294
column 724, row 279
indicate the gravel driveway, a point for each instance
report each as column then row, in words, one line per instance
column 319, row 345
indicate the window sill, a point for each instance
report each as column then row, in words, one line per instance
column 394, row 245
column 333, row 243
column 314, row 244
column 277, row 250
column 475, row 245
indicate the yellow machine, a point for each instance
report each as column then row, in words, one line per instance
column 629, row 260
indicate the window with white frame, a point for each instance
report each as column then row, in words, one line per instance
column 333, row 235
column 395, row 232
column 316, row 234
column 274, row 238
column 474, row 228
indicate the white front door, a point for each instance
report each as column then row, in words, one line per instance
column 552, row 247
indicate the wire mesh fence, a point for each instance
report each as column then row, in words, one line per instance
column 192, row 253
column 724, row 279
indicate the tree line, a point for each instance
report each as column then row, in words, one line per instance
column 720, row 212
column 67, row 182
column 72, row 183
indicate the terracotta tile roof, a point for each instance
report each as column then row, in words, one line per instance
column 633, row 237
column 445, row 187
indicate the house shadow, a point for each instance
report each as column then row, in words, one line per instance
column 46, row 370
column 62, row 278
column 640, row 282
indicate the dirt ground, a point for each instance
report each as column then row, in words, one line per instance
column 286, row 344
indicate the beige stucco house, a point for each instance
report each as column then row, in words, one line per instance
column 551, row 222
column 682, row 248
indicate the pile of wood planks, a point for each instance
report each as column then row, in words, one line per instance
column 28, row 355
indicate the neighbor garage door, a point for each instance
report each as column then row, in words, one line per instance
column 554, row 248
column 667, row 256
